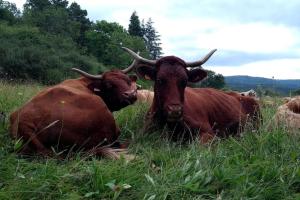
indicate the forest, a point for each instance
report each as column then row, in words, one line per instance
column 50, row 37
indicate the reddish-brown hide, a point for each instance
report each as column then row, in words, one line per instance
column 75, row 114
column 204, row 111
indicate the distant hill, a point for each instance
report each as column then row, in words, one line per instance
column 242, row 83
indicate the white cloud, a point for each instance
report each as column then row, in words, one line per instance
column 210, row 33
column 250, row 38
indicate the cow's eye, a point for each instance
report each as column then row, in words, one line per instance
column 160, row 81
column 183, row 83
column 109, row 86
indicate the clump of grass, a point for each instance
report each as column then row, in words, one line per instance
column 262, row 165
column 13, row 96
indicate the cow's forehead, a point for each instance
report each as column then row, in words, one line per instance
column 115, row 75
column 174, row 70
column 172, row 60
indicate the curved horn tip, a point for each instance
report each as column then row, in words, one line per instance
column 126, row 49
column 129, row 50
column 87, row 75
column 138, row 57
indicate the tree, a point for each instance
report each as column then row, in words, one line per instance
column 27, row 53
column 78, row 15
column 59, row 3
column 152, row 39
column 213, row 80
column 39, row 5
column 105, row 39
column 36, row 5
column 134, row 27
column 9, row 12
column 51, row 17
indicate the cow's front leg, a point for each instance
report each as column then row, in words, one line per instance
column 206, row 137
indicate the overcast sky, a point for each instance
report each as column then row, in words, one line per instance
column 253, row 37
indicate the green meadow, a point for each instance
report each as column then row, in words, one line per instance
column 260, row 165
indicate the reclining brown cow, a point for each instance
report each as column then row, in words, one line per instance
column 145, row 96
column 75, row 114
column 205, row 112
column 288, row 114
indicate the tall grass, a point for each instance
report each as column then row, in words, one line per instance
column 262, row 165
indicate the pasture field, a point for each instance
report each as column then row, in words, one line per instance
column 262, row 165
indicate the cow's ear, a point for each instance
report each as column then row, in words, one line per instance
column 96, row 86
column 196, row 75
column 133, row 78
column 146, row 72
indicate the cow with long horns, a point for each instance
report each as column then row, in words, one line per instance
column 75, row 115
column 204, row 112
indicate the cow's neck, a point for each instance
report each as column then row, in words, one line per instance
column 108, row 103
column 85, row 82
column 156, row 112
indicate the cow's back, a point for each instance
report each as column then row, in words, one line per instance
column 212, row 110
column 65, row 115
column 205, row 105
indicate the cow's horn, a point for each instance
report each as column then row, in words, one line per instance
column 87, row 75
column 128, row 69
column 202, row 61
column 139, row 58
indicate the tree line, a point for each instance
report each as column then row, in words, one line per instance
column 51, row 36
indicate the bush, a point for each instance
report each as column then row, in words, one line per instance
column 26, row 53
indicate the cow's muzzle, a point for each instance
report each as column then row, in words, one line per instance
column 130, row 96
column 174, row 113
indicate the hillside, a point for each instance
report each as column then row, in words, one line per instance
column 242, row 83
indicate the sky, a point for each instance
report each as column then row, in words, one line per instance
column 253, row 37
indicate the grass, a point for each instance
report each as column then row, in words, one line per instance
column 263, row 165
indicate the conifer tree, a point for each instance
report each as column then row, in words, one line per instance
column 152, row 39
column 134, row 27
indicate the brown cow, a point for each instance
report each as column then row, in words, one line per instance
column 289, row 114
column 204, row 111
column 75, row 114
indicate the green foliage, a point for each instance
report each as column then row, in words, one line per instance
column 51, row 36
column 213, row 80
column 55, row 17
column 263, row 91
column 244, row 83
column 105, row 39
column 26, row 53
column 261, row 165
column 271, row 93
column 134, row 27
column 296, row 92
column 148, row 33
column 152, row 39
column 78, row 15
column 8, row 12
column 53, row 20
column 37, row 5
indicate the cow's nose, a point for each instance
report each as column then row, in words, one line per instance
column 175, row 110
column 131, row 95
